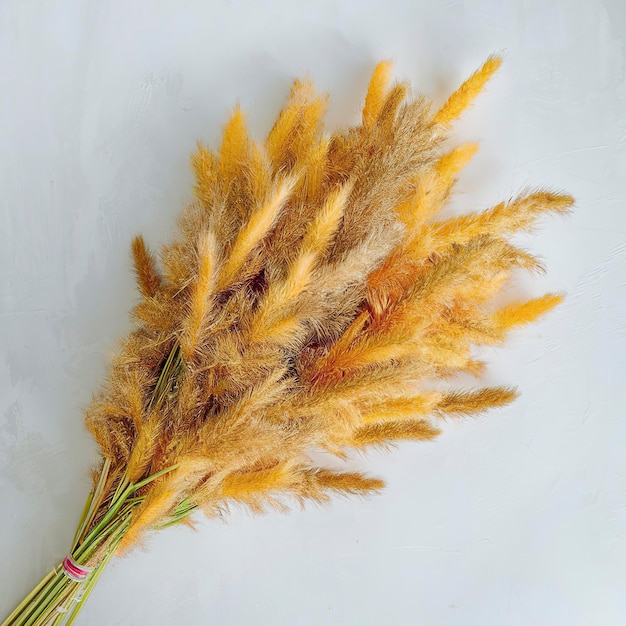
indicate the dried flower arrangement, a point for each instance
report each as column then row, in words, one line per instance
column 309, row 301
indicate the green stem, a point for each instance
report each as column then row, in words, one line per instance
column 90, row 584
column 93, row 503
column 48, row 598
column 27, row 600
column 56, row 588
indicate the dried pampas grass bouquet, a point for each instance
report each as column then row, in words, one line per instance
column 311, row 299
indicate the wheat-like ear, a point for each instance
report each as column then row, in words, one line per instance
column 203, row 290
column 433, row 190
column 145, row 447
column 146, row 272
column 205, row 167
column 254, row 231
column 522, row 313
column 296, row 129
column 318, row 237
column 453, row 162
column 347, row 483
column 376, row 92
column 463, row 97
column 396, row 409
column 388, row 432
column 506, row 217
column 235, row 148
column 469, row 402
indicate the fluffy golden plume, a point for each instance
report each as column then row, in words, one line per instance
column 468, row 402
column 202, row 292
column 525, row 312
column 376, row 92
column 146, row 272
column 254, row 231
column 463, row 97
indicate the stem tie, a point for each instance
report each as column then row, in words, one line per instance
column 75, row 571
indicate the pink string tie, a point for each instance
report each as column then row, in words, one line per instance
column 75, row 571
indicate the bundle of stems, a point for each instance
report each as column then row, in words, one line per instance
column 311, row 300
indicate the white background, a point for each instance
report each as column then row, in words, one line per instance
column 517, row 518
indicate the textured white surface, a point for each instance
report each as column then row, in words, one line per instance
column 517, row 518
